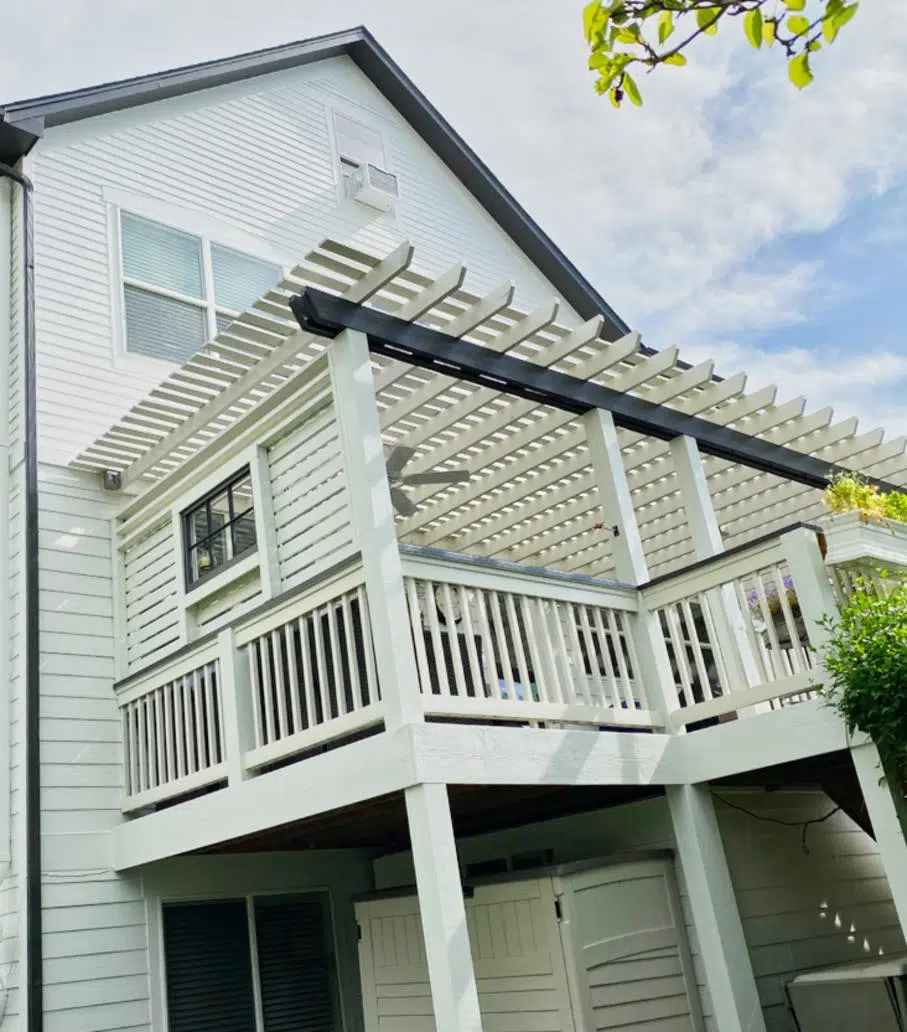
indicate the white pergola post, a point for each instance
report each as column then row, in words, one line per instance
column 887, row 815
column 455, row 998
column 713, row 905
column 629, row 557
column 373, row 522
column 707, row 542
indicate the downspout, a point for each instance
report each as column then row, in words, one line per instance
column 34, row 956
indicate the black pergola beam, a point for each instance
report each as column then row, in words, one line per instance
column 327, row 315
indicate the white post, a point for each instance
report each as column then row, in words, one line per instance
column 809, row 574
column 707, row 542
column 236, row 705
column 614, row 496
column 888, row 824
column 454, row 994
column 373, row 522
column 713, row 905
column 629, row 556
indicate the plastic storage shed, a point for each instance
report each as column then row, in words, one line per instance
column 581, row 948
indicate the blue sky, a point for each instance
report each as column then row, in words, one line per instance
column 730, row 216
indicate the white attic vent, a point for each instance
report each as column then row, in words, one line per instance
column 373, row 186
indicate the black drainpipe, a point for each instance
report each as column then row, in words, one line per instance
column 34, row 955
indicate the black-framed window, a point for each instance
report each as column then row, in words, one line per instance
column 219, row 528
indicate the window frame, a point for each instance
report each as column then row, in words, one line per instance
column 362, row 119
column 209, row 233
column 186, row 545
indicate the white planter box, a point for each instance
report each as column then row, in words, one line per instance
column 852, row 541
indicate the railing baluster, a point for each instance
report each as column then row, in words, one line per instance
column 437, row 646
column 580, row 682
column 256, row 662
column 689, row 622
column 352, row 661
column 417, row 618
column 278, row 681
column 517, row 638
column 321, row 667
column 488, row 640
column 636, row 693
column 603, row 635
column 374, row 688
column 308, row 675
column 453, row 640
column 289, row 643
column 340, row 699
column 201, row 752
column 535, row 655
column 680, row 655
column 549, row 651
column 213, row 739
column 475, row 667
column 506, row 670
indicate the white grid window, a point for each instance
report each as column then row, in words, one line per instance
column 180, row 290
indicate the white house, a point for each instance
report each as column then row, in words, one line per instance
column 418, row 656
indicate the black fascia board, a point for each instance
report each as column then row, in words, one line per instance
column 327, row 315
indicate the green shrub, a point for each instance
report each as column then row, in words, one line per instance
column 866, row 658
column 896, row 506
column 852, row 493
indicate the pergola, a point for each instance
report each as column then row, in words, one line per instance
column 532, row 496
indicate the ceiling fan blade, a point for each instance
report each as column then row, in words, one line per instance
column 398, row 458
column 439, row 476
column 402, row 503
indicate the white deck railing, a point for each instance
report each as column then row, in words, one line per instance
column 173, row 735
column 734, row 635
column 303, row 671
column 496, row 644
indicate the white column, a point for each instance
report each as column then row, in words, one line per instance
column 887, row 815
column 450, row 971
column 373, row 521
column 236, row 705
column 707, row 542
column 812, row 584
column 713, row 905
column 629, row 557
column 614, row 496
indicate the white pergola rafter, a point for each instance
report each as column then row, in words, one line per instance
column 532, row 497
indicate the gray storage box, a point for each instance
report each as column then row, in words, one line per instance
column 863, row 995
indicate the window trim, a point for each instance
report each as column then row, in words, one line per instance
column 209, row 231
column 245, row 472
column 363, row 119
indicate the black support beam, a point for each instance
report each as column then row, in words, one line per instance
column 327, row 315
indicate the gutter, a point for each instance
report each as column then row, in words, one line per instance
column 34, row 956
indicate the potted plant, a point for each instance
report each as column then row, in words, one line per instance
column 866, row 659
column 776, row 612
column 864, row 526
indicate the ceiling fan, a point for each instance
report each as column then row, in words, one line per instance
column 396, row 461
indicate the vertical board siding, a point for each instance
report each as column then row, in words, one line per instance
column 95, row 940
column 150, row 582
column 800, row 910
column 181, row 153
column 310, row 501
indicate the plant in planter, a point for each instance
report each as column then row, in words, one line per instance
column 866, row 659
column 776, row 612
column 851, row 492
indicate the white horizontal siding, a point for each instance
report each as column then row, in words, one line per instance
column 181, row 153
column 310, row 500
column 96, row 966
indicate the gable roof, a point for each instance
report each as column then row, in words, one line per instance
column 23, row 123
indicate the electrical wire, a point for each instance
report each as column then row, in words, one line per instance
column 804, row 825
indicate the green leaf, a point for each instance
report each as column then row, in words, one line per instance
column 707, row 19
column 813, row 45
column 630, row 34
column 795, row 5
column 665, row 26
column 829, row 29
column 678, row 60
column 615, row 98
column 632, row 90
column 844, row 16
column 797, row 25
column 799, row 71
column 768, row 32
column 591, row 19
column 752, row 26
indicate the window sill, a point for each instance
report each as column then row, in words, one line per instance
column 216, row 583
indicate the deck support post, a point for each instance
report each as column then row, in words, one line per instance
column 451, row 974
column 373, row 524
column 716, row 919
column 629, row 557
column 887, row 810
column 705, row 532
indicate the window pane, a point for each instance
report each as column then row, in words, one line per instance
column 223, row 321
column 162, row 257
column 163, row 328
column 239, row 280
column 357, row 143
column 208, row 967
column 242, row 495
column 197, row 522
column 243, row 534
column 220, row 511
